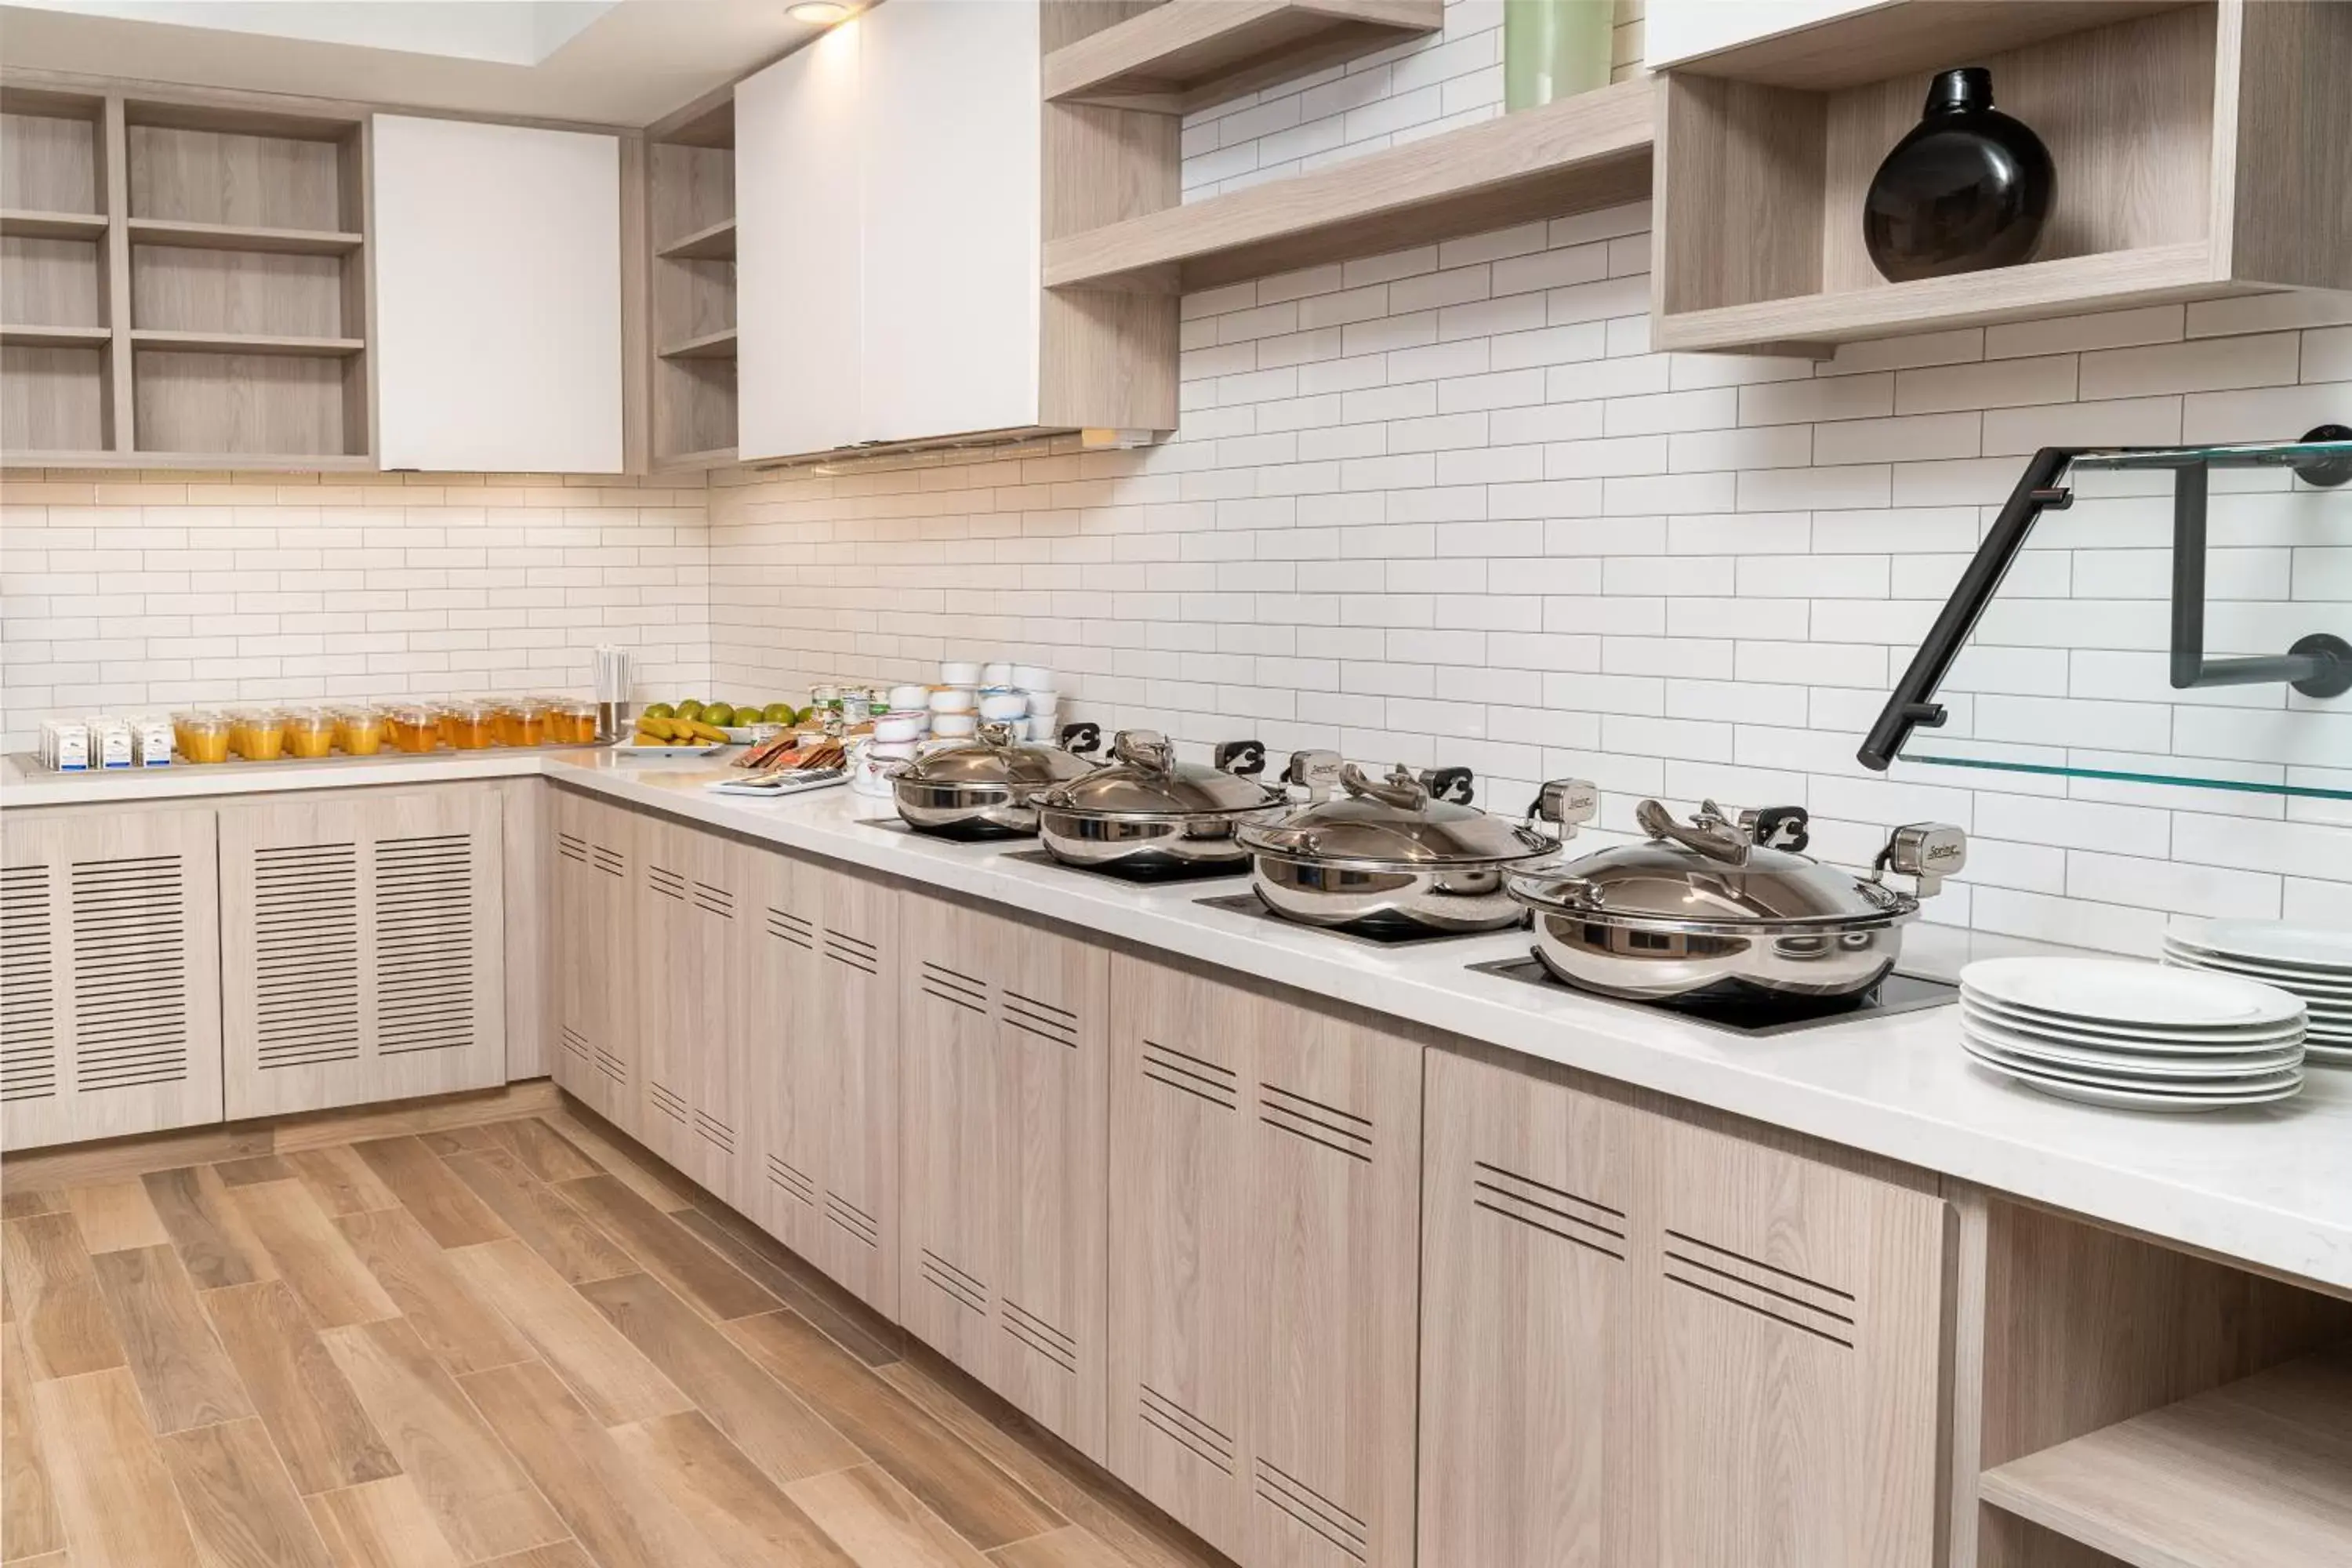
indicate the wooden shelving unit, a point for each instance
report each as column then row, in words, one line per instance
column 2254, row 1474
column 57, row 364
column 183, row 282
column 1188, row 54
column 1587, row 151
column 2193, row 159
column 691, row 211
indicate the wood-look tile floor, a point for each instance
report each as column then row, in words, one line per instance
column 518, row 1344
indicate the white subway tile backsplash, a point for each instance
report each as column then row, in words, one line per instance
column 2204, row 365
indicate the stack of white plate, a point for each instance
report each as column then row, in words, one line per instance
column 2113, row 1032
column 2303, row 961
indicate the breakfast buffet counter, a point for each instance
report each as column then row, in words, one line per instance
column 2271, row 1187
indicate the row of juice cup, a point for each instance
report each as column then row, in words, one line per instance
column 364, row 730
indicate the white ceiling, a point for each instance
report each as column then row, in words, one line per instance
column 607, row 62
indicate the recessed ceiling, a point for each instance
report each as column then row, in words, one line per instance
column 605, row 62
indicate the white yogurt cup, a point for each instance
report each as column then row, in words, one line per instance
column 958, row 674
column 952, row 699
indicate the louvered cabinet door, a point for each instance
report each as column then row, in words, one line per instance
column 783, row 1116
column 1531, row 1383
column 361, row 944
column 851, row 1071
column 669, row 988
column 1181, row 1287
column 1795, row 1368
column 709, row 1067
column 948, row 1134
column 580, row 939
column 1334, row 1206
column 110, row 975
column 1051, row 1000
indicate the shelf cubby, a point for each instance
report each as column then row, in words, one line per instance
column 248, row 282
column 690, row 214
column 2192, row 164
column 2253, row 1474
column 1188, row 54
column 57, row 361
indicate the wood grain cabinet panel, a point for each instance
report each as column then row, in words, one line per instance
column 1532, row 1386
column 668, row 987
column 596, row 964
column 1265, row 1167
column 1796, row 1368
column 1003, row 1138
column 110, row 975
column 785, row 1111
column 363, row 948
column 854, row 1073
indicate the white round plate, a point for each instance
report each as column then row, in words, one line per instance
column 2132, row 1100
column 2117, row 991
column 2130, row 1038
column 2302, row 982
column 2272, row 942
column 2108, row 1067
column 2332, row 1055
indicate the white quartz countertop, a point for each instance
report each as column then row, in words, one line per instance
column 2269, row 1185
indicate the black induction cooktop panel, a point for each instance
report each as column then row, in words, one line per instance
column 1755, row 1017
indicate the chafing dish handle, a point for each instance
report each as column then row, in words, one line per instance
column 1449, row 784
column 1081, row 737
column 1244, row 759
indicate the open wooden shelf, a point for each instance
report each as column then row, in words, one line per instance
column 712, row 242
column 2191, row 164
column 709, row 345
column 1188, row 54
column 714, row 458
column 240, row 236
column 28, row 336
column 1588, row 152
column 2254, row 1474
column 16, row 224
column 246, row 343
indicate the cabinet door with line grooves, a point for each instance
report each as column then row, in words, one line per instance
column 852, row 1072
column 362, row 948
column 1531, row 1384
column 109, row 974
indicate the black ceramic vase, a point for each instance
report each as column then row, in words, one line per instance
column 1969, row 188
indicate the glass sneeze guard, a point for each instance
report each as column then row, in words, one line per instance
column 2095, row 665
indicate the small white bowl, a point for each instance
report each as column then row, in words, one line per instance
column 1042, row 727
column 952, row 699
column 899, row 729
column 996, row 675
column 1047, row 702
column 959, row 675
column 954, row 726
column 1001, row 705
column 904, row 698
column 1033, row 678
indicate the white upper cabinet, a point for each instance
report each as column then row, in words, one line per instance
column 497, row 282
column 797, row 246
column 951, row 114
column 1678, row 30
column 886, row 194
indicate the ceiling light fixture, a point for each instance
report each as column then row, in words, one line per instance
column 818, row 13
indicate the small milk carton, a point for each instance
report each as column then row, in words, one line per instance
column 109, row 740
column 64, row 745
column 152, row 739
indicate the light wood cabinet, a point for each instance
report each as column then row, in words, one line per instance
column 812, row 1067
column 109, row 974
column 1264, row 1180
column 1647, row 1342
column 1004, row 1030
column 363, row 948
column 690, row 897
column 596, row 954
column 498, row 297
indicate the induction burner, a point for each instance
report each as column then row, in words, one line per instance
column 1753, row 1015
column 1146, row 873
column 1372, row 936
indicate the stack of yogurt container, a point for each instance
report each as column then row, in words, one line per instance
column 967, row 695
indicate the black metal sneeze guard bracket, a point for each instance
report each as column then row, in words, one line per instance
column 2319, row 664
